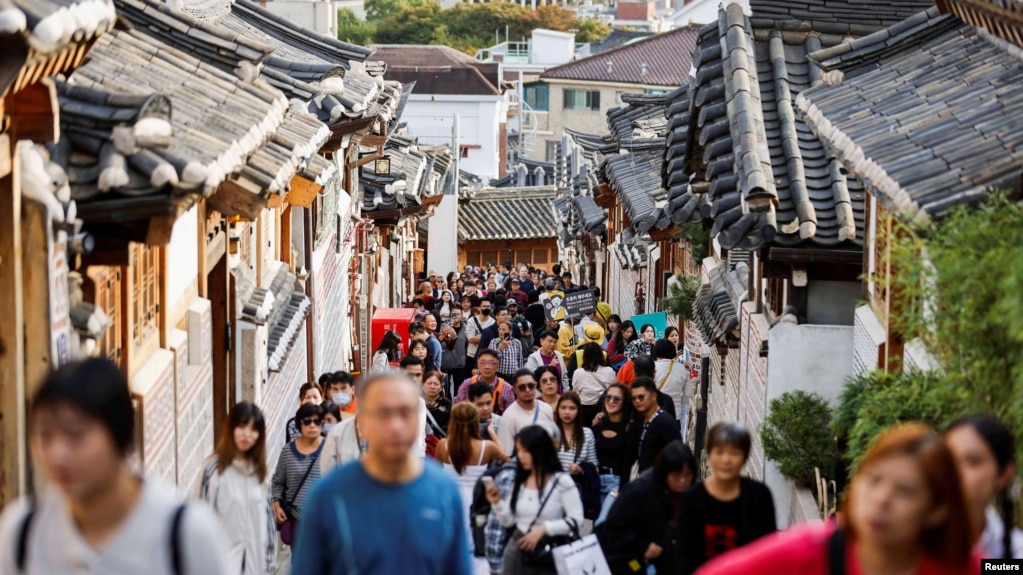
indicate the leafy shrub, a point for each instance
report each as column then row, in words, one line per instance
column 873, row 402
column 796, row 435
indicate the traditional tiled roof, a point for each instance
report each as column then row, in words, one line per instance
column 635, row 179
column 853, row 17
column 661, row 60
column 439, row 70
column 715, row 310
column 616, row 39
column 50, row 25
column 768, row 178
column 630, row 250
column 194, row 125
column 929, row 116
column 527, row 173
column 403, row 186
column 640, row 123
column 682, row 206
column 590, row 215
column 1003, row 18
column 319, row 74
column 508, row 214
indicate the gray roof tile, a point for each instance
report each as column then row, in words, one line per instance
column 508, row 214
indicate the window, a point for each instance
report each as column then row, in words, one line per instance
column 537, row 96
column 107, row 296
column 582, row 99
column 522, row 257
column 655, row 92
column 145, row 293
column 539, row 257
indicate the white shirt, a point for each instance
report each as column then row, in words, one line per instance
column 515, row 419
column 141, row 545
column 340, row 447
column 564, row 502
column 672, row 378
column 590, row 384
column 535, row 362
column 246, row 514
column 991, row 544
column 471, row 332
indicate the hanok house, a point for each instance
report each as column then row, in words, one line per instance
column 497, row 225
column 946, row 94
column 46, row 323
column 786, row 218
column 221, row 211
column 399, row 189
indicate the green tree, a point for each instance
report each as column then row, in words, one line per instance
column 415, row 25
column 963, row 279
column 591, row 30
column 795, row 435
column 351, row 29
column 379, row 10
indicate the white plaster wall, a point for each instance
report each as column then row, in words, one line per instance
column 812, row 358
column 429, row 118
column 318, row 16
column 182, row 256
column 551, row 48
column 442, row 240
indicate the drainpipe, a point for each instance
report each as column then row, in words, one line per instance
column 307, row 238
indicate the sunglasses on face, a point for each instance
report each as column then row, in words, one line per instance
column 637, row 398
column 613, row 399
column 549, row 380
column 526, row 387
column 312, row 421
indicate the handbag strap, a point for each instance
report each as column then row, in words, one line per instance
column 836, row 552
column 543, row 502
column 436, row 426
column 667, row 375
column 308, row 470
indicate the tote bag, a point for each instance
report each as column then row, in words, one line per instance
column 582, row 557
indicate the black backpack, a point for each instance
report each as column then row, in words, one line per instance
column 479, row 510
column 26, row 523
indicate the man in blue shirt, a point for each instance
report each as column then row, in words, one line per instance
column 389, row 512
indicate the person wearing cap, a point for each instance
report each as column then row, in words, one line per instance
column 591, row 333
column 522, row 327
column 516, row 293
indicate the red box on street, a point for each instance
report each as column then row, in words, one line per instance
column 391, row 319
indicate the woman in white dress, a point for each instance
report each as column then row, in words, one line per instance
column 235, row 483
column 457, row 452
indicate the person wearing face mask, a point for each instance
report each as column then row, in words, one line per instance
column 474, row 329
column 310, row 392
column 331, row 416
column 234, row 483
column 341, row 390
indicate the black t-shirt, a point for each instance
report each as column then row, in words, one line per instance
column 709, row 527
column 441, row 413
column 611, row 450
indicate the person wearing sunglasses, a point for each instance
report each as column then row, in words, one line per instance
column 524, row 412
column 653, row 429
column 610, row 434
column 298, row 468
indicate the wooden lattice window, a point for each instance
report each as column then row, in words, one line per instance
column 472, row 258
column 107, row 296
column 539, row 257
column 489, row 258
column 145, row 293
column 522, row 257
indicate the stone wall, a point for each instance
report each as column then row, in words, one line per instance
column 280, row 400
column 331, row 310
column 153, row 387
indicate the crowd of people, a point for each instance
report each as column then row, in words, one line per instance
column 479, row 441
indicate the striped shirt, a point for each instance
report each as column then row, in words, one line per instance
column 588, row 453
column 287, row 485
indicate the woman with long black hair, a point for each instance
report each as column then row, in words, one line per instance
column 388, row 353
column 543, row 501
column 235, row 484
column 985, row 454
column 617, row 345
column 640, row 529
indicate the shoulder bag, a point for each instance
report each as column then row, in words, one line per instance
column 542, row 554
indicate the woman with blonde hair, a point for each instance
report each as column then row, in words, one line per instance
column 466, row 456
column 234, row 482
column 905, row 513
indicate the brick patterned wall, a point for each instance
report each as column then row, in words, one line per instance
column 280, row 399
column 622, row 290
column 753, row 386
column 868, row 336
column 153, row 387
column 331, row 310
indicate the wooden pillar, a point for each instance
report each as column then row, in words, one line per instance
column 13, row 461
column 35, row 273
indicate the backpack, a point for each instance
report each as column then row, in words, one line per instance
column 21, row 551
column 479, row 509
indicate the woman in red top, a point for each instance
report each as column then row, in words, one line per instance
column 905, row 514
